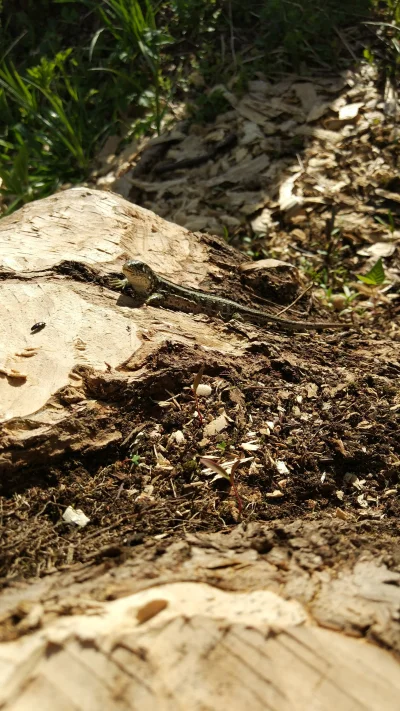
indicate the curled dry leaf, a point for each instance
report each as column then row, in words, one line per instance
column 198, row 378
column 338, row 301
column 389, row 492
column 281, row 467
column 287, row 199
column 177, row 437
column 27, row 352
column 339, row 513
column 311, row 390
column 250, row 447
column 161, row 460
column 215, row 467
column 216, row 426
column 13, row 374
column 379, row 249
column 353, row 480
column 361, row 501
column 339, row 446
column 276, row 494
column 349, row 111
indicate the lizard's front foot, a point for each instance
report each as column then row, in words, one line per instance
column 119, row 284
column 237, row 316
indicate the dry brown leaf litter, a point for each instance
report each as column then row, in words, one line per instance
column 300, row 147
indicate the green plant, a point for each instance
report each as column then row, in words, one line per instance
column 387, row 33
column 208, row 106
column 341, row 299
column 16, row 180
column 222, row 446
column 349, row 295
column 48, row 133
column 390, row 223
column 57, row 108
column 196, row 16
column 376, row 275
column 327, row 278
column 373, row 280
column 136, row 33
column 299, row 31
column 230, row 476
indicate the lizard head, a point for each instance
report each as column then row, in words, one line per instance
column 140, row 276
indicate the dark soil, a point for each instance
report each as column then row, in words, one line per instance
column 314, row 417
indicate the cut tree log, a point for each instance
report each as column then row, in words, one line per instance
column 49, row 251
column 209, row 625
column 62, row 325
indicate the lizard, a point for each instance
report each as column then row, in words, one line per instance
column 155, row 290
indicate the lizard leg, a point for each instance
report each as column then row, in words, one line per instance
column 236, row 322
column 155, row 299
column 119, row 283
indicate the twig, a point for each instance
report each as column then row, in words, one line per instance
column 296, row 300
column 232, row 37
column 345, row 43
column 329, row 228
column 235, row 489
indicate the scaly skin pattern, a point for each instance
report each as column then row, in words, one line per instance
column 158, row 291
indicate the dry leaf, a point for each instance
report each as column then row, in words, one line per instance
column 307, row 94
column 198, row 378
column 251, row 133
column 340, row 446
column 379, row 249
column 276, row 494
column 249, row 447
column 216, row 426
column 339, row 513
column 349, row 111
column 387, row 195
column 217, row 468
column 317, row 111
column 311, row 390
column 241, row 173
column 287, row 200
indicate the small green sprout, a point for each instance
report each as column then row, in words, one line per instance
column 391, row 223
column 222, row 446
column 375, row 276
